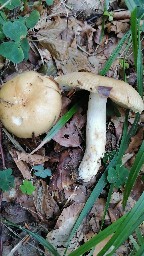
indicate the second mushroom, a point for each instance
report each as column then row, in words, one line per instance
column 100, row 89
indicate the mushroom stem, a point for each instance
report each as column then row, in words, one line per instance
column 118, row 91
column 95, row 137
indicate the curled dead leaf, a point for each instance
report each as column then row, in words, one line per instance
column 22, row 166
column 34, row 159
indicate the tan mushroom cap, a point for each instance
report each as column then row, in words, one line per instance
column 29, row 103
column 122, row 93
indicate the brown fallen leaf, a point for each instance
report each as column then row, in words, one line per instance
column 69, row 45
column 101, row 245
column 96, row 215
column 15, row 213
column 22, row 166
column 136, row 141
column 121, row 15
column 34, row 159
column 119, row 27
column 69, row 135
column 59, row 236
column 77, row 194
column 44, row 201
column 66, row 169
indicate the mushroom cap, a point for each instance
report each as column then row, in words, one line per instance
column 29, row 103
column 120, row 92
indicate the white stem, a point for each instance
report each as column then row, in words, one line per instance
column 95, row 137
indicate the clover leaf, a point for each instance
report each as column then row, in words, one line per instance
column 41, row 172
column 15, row 30
column 12, row 51
column 33, row 18
column 6, row 179
column 27, row 187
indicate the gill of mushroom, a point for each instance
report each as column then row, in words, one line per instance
column 100, row 89
column 30, row 103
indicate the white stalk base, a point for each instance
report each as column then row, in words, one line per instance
column 95, row 137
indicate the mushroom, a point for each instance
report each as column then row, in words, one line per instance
column 29, row 103
column 100, row 88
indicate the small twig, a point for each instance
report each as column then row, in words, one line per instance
column 13, row 141
column 83, row 50
column 1, row 7
column 17, row 246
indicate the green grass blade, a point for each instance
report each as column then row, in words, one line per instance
column 140, row 252
column 114, row 55
column 133, row 220
column 139, row 64
column 126, row 136
column 88, row 205
column 133, row 20
column 134, row 242
column 140, row 238
column 106, row 4
column 131, row 5
column 43, row 242
column 63, row 120
column 121, row 229
column 39, row 238
column 124, row 139
column 91, row 200
column 139, row 161
column 134, row 127
column 107, row 202
column 98, row 238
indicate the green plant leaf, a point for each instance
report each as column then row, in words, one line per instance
column 6, row 179
column 25, row 47
column 15, row 30
column 12, row 51
column 117, row 175
column 27, row 187
column 33, row 18
column 123, row 64
column 41, row 172
column 49, row 2
column 21, row 19
column 10, row 5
